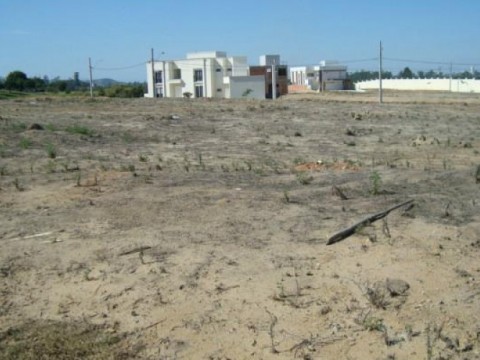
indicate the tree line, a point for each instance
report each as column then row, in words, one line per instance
column 407, row 73
column 19, row 81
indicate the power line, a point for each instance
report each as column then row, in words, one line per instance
column 430, row 62
column 120, row 68
column 357, row 61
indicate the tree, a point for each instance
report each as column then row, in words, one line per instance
column 406, row 74
column 16, row 80
column 363, row 75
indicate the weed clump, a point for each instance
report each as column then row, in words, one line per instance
column 80, row 130
column 51, row 151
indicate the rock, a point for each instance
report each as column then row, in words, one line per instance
column 397, row 287
column 35, row 126
column 388, row 294
column 350, row 132
column 423, row 140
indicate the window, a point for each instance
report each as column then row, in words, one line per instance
column 158, row 77
column 229, row 69
column 218, row 70
column 219, row 90
column 177, row 74
column 198, row 91
column 197, row 75
column 282, row 71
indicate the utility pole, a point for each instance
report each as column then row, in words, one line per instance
column 380, row 70
column 274, row 81
column 153, row 76
column 91, row 78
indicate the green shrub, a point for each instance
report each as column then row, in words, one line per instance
column 125, row 91
column 80, row 129
column 25, row 143
column 375, row 183
column 51, row 151
column 304, row 178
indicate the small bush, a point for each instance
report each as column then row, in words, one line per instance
column 299, row 160
column 25, row 143
column 373, row 324
column 51, row 127
column 375, row 183
column 80, row 129
column 304, row 178
column 18, row 127
column 143, row 158
column 51, row 151
column 125, row 91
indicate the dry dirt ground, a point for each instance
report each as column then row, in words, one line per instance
column 197, row 229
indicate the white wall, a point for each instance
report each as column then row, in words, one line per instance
column 455, row 85
column 239, row 65
column 206, row 55
column 269, row 60
column 333, row 85
column 239, row 84
column 334, row 74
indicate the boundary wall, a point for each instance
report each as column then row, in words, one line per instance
column 453, row 85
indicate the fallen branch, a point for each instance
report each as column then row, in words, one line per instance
column 343, row 234
column 273, row 322
column 339, row 193
column 140, row 249
column 33, row 236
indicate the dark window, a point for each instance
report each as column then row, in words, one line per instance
column 198, row 91
column 282, row 71
column 177, row 74
column 229, row 69
column 218, row 70
column 219, row 90
column 158, row 77
column 197, row 75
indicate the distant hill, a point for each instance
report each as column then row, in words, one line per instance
column 106, row 82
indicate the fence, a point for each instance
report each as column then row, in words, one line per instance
column 453, row 85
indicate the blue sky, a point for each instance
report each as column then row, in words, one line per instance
column 56, row 37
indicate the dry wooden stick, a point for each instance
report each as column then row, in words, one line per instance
column 273, row 322
column 343, row 234
column 140, row 249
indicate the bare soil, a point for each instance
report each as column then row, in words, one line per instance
column 197, row 229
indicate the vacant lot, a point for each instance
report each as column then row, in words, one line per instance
column 197, row 229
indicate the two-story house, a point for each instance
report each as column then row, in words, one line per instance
column 204, row 74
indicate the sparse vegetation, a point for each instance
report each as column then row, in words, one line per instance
column 25, row 143
column 168, row 234
column 375, row 182
column 59, row 340
column 51, row 150
column 80, row 129
column 304, row 178
column 143, row 158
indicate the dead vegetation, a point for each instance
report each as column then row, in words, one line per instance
column 197, row 228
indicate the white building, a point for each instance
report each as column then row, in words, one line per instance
column 204, row 74
column 329, row 75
